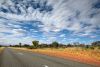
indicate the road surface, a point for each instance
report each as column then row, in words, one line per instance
column 16, row 58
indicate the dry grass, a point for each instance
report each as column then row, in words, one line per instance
column 86, row 56
column 1, row 49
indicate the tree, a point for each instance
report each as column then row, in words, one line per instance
column 0, row 45
column 10, row 45
column 20, row 44
column 69, row 45
column 43, row 45
column 76, row 44
column 87, row 46
column 55, row 44
column 26, row 45
column 35, row 43
column 97, row 43
column 81, row 45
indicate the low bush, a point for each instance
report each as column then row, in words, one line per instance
column 92, row 47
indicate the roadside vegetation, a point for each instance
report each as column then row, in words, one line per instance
column 76, row 51
column 56, row 45
column 1, row 48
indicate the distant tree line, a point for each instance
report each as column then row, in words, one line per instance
column 35, row 45
column 0, row 45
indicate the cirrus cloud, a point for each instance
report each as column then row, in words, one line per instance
column 50, row 18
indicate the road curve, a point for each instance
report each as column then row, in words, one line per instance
column 17, row 58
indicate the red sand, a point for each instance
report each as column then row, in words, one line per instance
column 67, row 55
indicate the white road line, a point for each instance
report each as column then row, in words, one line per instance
column 45, row 66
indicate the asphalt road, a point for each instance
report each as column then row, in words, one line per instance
column 16, row 58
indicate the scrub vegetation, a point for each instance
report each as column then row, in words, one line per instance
column 79, row 52
column 1, row 48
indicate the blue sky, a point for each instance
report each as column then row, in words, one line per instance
column 65, row 21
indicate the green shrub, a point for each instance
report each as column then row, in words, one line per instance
column 98, row 47
column 31, row 47
column 92, row 48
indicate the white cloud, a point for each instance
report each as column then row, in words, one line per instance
column 62, row 35
column 18, row 32
column 66, row 15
